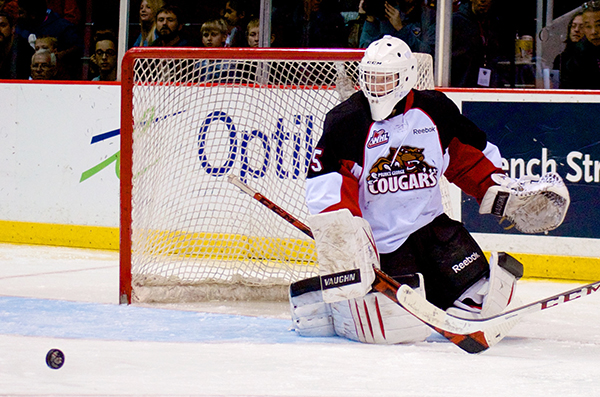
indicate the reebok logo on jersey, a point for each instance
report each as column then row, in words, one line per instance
column 379, row 138
column 402, row 169
column 468, row 260
column 340, row 279
column 420, row 131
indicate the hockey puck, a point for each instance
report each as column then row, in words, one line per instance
column 55, row 358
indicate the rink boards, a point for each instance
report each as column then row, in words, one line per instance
column 60, row 182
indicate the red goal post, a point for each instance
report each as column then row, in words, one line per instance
column 191, row 117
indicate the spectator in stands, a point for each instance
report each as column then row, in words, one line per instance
column 236, row 14
column 105, row 56
column 476, row 48
column 409, row 20
column 312, row 23
column 15, row 52
column 46, row 43
column 43, row 65
column 36, row 20
column 51, row 44
column 169, row 25
column 574, row 34
column 148, row 12
column 253, row 32
column 214, row 33
column 582, row 70
column 575, row 28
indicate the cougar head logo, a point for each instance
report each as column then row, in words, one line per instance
column 410, row 159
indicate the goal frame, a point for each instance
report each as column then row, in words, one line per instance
column 127, row 83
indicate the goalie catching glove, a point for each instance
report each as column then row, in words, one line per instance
column 532, row 206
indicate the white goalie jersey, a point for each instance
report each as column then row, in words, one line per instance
column 388, row 172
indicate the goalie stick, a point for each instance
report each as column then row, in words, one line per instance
column 471, row 335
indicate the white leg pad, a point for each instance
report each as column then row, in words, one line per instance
column 502, row 288
column 376, row 319
column 310, row 315
column 346, row 253
column 494, row 293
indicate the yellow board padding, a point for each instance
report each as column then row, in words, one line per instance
column 205, row 245
column 227, row 246
column 97, row 237
column 231, row 246
column 558, row 267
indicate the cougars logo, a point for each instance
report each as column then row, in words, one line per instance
column 401, row 169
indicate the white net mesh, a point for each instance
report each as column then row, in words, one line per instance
column 195, row 121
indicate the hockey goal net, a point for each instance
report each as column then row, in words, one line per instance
column 190, row 118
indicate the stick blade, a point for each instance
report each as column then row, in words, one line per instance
column 473, row 336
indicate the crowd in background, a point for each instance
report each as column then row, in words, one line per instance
column 55, row 39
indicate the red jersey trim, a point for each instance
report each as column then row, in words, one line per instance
column 348, row 191
column 470, row 170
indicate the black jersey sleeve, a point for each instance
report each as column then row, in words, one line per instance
column 344, row 133
column 331, row 185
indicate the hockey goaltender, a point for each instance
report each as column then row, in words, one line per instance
column 373, row 190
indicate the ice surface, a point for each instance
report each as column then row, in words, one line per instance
column 52, row 297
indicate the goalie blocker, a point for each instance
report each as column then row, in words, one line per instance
column 347, row 254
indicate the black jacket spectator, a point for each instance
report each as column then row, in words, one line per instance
column 582, row 69
column 321, row 26
column 15, row 52
column 475, row 45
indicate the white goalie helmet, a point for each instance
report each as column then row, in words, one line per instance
column 387, row 73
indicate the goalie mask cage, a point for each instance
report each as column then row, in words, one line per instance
column 190, row 118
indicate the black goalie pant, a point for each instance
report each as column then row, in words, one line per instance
column 445, row 254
